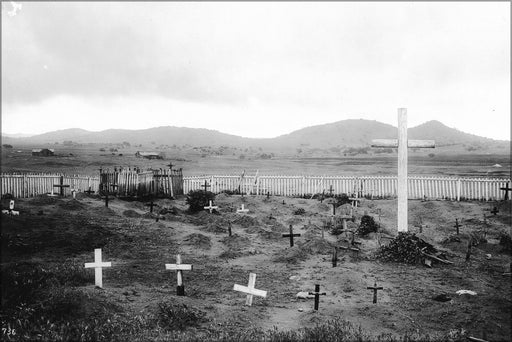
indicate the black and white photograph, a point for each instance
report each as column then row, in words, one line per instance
column 256, row 171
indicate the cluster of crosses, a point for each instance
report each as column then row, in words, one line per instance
column 250, row 290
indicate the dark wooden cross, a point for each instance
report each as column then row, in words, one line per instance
column 331, row 189
column 335, row 257
column 229, row 228
column 151, row 205
column 317, row 295
column 61, row 185
column 375, row 289
column 283, row 202
column 333, row 209
column 291, row 235
column 506, row 189
column 170, row 166
column 206, row 185
column 495, row 211
column 457, row 225
column 89, row 191
column 268, row 194
column 323, row 196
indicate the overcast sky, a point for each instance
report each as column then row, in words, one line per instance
column 255, row 69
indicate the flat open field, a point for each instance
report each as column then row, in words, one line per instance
column 46, row 291
column 87, row 160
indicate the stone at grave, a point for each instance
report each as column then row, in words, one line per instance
column 98, row 267
column 304, row 295
column 468, row 292
column 295, row 277
column 250, row 290
column 402, row 143
column 179, row 267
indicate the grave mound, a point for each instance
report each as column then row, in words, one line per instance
column 406, row 247
column 322, row 207
column 294, row 220
column 198, row 240
column 246, row 221
column 43, row 200
column 344, row 209
column 316, row 245
column 215, row 228
column 277, row 227
column 103, row 211
column 71, row 205
column 131, row 213
column 291, row 255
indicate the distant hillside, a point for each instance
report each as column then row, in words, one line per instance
column 334, row 136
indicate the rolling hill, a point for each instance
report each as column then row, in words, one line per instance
column 341, row 134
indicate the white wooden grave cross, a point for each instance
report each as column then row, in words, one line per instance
column 211, row 207
column 179, row 267
column 250, row 290
column 402, row 143
column 243, row 210
column 11, row 205
column 98, row 267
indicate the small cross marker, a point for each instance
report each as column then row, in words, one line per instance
column 61, row 186
column 506, row 189
column 250, row 290
column 331, row 189
column 243, row 210
column 457, row 225
column 291, row 235
column 211, row 207
column 317, row 295
column 375, row 289
column 335, row 257
column 98, row 267
column 88, row 192
column 151, row 205
column 495, row 211
column 179, row 267
column 206, row 185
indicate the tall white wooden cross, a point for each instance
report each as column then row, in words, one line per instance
column 179, row 267
column 250, row 290
column 402, row 143
column 98, row 266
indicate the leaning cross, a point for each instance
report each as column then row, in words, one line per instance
column 211, row 207
column 250, row 290
column 179, row 267
column 317, row 295
column 402, row 143
column 98, row 266
column 243, row 210
column 506, row 189
column 61, row 185
column 375, row 289
column 291, row 235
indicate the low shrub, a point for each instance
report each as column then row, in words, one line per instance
column 198, row 199
column 406, row 247
column 367, row 226
column 299, row 211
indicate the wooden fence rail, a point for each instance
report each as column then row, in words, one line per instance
column 451, row 188
column 34, row 184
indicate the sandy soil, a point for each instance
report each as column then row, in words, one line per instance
column 55, row 229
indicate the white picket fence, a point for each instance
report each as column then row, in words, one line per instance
column 34, row 184
column 451, row 188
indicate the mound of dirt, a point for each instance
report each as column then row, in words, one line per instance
column 71, row 205
column 43, row 200
column 277, row 227
column 104, row 211
column 294, row 220
column 246, row 221
column 215, row 228
column 316, row 245
column 323, row 207
column 344, row 209
column 291, row 255
column 235, row 241
column 131, row 213
column 198, row 240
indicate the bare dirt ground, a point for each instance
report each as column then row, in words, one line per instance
column 56, row 231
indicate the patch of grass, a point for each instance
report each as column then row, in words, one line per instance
column 367, row 226
column 172, row 316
